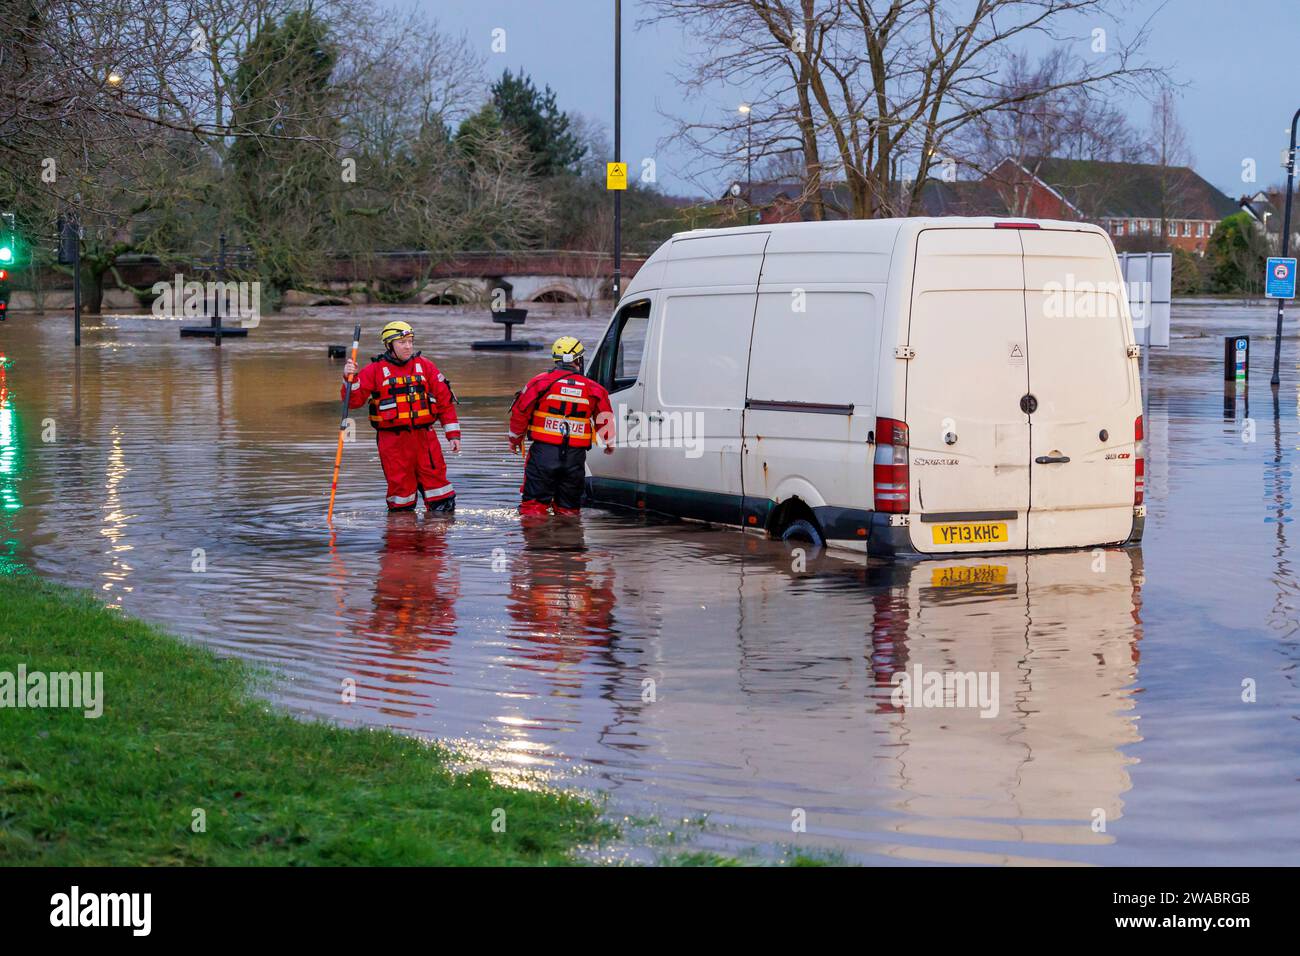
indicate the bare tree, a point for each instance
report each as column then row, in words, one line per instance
column 597, row 238
column 132, row 114
column 875, row 92
column 1172, row 157
column 1011, row 147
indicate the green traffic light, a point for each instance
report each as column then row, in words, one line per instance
column 6, row 254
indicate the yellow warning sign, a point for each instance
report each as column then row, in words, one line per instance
column 616, row 175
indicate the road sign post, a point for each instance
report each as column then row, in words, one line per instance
column 1286, row 244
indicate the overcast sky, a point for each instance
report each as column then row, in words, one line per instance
column 1236, row 59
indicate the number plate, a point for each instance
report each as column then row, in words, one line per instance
column 973, row 532
column 968, row 574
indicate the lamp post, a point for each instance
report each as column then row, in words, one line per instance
column 746, row 111
column 618, row 146
column 1286, row 245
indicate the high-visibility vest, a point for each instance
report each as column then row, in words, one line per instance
column 564, row 414
column 401, row 401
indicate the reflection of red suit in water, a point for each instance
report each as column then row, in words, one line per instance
column 413, row 611
column 406, row 398
column 562, row 605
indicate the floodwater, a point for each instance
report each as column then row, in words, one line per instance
column 685, row 673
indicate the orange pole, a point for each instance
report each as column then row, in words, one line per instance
column 343, row 425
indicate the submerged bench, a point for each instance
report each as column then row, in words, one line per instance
column 509, row 318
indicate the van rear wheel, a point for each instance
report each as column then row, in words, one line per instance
column 805, row 531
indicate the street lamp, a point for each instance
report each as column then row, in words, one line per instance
column 748, row 113
column 114, row 79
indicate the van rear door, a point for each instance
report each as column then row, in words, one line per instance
column 969, row 460
column 1086, row 389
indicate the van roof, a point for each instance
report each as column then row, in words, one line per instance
column 877, row 237
column 887, row 227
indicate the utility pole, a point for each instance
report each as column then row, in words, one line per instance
column 618, row 147
column 1286, row 244
column 70, row 254
column 216, row 305
column 748, row 112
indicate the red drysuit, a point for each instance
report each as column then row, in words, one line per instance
column 406, row 398
column 562, row 411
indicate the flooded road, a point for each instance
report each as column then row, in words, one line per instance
column 688, row 673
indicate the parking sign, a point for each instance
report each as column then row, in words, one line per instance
column 1279, row 278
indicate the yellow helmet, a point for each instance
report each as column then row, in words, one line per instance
column 567, row 350
column 395, row 330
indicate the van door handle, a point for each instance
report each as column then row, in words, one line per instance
column 1052, row 459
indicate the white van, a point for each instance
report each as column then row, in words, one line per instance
column 893, row 386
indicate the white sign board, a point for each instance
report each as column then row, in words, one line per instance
column 1149, row 279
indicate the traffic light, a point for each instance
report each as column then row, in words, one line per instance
column 8, row 239
column 8, row 255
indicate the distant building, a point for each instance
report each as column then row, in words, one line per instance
column 1129, row 200
column 1266, row 208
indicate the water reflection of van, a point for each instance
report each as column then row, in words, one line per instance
column 894, row 386
column 767, row 716
column 1047, row 763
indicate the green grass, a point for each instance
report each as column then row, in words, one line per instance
column 181, row 731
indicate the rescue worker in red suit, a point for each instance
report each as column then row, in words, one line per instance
column 563, row 412
column 407, row 394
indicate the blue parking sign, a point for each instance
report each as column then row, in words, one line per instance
column 1279, row 278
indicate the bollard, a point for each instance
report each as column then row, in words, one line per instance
column 1236, row 358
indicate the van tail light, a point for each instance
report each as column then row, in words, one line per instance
column 1016, row 225
column 1140, row 471
column 892, row 482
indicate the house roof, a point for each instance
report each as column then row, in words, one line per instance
column 938, row 198
column 1263, row 211
column 1092, row 189
column 1101, row 189
column 961, row 198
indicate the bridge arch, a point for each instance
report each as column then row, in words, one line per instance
column 556, row 292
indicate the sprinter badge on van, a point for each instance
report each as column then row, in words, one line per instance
column 973, row 532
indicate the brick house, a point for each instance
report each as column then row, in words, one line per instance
column 1129, row 200
column 1124, row 198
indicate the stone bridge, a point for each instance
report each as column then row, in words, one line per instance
column 533, row 276
column 549, row 275
column 417, row 277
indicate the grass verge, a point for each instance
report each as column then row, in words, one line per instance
column 181, row 732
